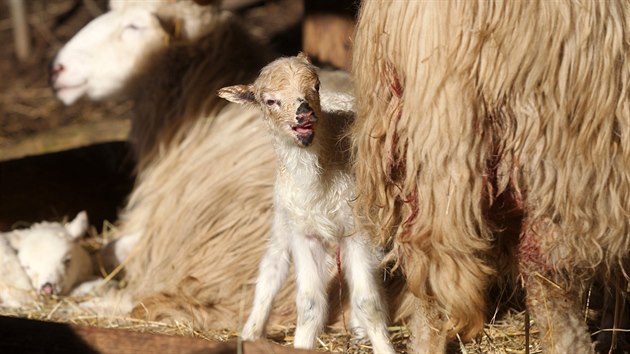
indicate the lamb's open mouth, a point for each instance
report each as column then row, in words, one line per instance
column 304, row 132
column 304, row 128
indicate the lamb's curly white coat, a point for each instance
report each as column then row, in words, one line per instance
column 312, row 213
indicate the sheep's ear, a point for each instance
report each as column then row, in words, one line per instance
column 78, row 226
column 14, row 238
column 241, row 94
column 303, row 56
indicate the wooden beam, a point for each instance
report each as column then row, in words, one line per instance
column 25, row 336
column 21, row 36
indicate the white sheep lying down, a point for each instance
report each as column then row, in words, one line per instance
column 44, row 258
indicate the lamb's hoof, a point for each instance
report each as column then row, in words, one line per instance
column 250, row 334
column 358, row 333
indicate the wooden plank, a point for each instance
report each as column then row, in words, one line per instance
column 21, row 33
column 67, row 137
column 19, row 335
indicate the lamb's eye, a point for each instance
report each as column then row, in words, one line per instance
column 66, row 262
column 317, row 87
column 270, row 102
column 132, row 27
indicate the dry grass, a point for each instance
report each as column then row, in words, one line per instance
column 505, row 335
column 502, row 337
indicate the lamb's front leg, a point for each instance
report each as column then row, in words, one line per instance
column 360, row 265
column 311, row 272
column 272, row 273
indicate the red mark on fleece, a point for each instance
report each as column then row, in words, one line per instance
column 530, row 257
column 394, row 83
column 396, row 167
column 412, row 200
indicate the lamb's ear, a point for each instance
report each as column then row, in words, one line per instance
column 241, row 94
column 77, row 227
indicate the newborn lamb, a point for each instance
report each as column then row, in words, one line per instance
column 312, row 217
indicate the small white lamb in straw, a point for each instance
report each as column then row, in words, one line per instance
column 49, row 254
column 312, row 215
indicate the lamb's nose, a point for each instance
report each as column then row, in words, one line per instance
column 304, row 108
column 47, row 289
column 304, row 112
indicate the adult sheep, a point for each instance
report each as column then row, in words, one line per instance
column 468, row 108
column 200, row 212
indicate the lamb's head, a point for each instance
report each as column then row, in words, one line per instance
column 287, row 91
column 50, row 255
column 100, row 59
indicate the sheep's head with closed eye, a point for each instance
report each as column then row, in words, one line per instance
column 104, row 55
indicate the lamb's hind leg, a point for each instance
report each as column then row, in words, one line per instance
column 360, row 265
column 272, row 273
column 312, row 275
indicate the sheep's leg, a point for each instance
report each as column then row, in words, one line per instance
column 557, row 314
column 273, row 271
column 428, row 333
column 311, row 273
column 552, row 302
column 360, row 265
column 117, row 251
